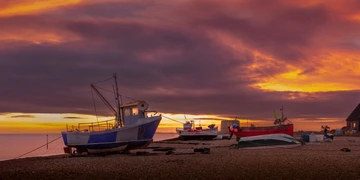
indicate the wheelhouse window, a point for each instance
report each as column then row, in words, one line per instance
column 127, row 112
column 135, row 111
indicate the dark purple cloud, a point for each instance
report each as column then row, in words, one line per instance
column 200, row 75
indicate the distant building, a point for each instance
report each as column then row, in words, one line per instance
column 353, row 121
column 226, row 123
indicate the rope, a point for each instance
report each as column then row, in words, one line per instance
column 172, row 119
column 52, row 148
column 102, row 81
column 92, row 94
column 38, row 147
column 102, row 99
column 113, row 92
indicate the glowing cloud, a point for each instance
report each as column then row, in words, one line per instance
column 332, row 73
column 33, row 7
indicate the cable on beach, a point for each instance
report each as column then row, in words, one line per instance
column 38, row 148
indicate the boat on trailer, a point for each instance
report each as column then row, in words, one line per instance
column 131, row 129
column 268, row 141
column 190, row 132
column 280, row 127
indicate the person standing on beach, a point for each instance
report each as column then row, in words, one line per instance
column 325, row 133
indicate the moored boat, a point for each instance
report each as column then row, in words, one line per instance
column 131, row 129
column 268, row 141
column 190, row 132
column 279, row 128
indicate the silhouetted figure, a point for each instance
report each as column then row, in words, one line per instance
column 326, row 135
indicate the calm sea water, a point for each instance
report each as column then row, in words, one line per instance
column 15, row 145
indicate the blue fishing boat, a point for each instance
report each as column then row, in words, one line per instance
column 132, row 128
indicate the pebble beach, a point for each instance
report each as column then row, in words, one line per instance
column 323, row 160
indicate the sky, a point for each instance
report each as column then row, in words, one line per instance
column 203, row 58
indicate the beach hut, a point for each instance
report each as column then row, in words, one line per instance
column 353, row 121
column 312, row 137
column 338, row 132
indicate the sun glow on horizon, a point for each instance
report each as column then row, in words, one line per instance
column 15, row 123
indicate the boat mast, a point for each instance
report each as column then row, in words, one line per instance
column 119, row 113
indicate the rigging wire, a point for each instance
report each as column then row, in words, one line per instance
column 54, row 148
column 38, row 147
column 104, row 101
column 173, row 119
column 103, row 80
column 113, row 92
column 97, row 119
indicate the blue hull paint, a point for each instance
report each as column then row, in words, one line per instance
column 64, row 138
column 103, row 138
column 147, row 131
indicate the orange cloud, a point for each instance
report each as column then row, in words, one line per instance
column 335, row 72
column 33, row 7
column 36, row 37
column 324, row 73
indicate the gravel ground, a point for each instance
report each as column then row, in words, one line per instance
column 310, row 161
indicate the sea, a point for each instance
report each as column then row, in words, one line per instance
column 31, row 145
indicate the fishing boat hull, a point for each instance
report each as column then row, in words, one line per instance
column 207, row 134
column 256, row 131
column 268, row 141
column 130, row 137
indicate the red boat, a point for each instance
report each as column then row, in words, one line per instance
column 279, row 128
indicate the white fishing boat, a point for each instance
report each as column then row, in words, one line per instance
column 189, row 131
column 268, row 141
column 131, row 129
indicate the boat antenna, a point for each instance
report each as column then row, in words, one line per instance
column 275, row 114
column 119, row 114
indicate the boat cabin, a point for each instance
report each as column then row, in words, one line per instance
column 188, row 125
column 133, row 111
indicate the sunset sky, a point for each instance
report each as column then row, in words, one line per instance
column 204, row 58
